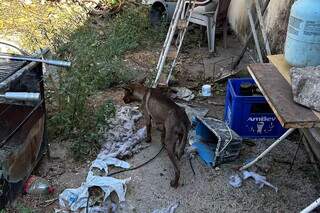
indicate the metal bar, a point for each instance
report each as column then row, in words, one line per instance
column 254, row 32
column 17, row 74
column 286, row 134
column 244, row 49
column 33, row 59
column 263, row 31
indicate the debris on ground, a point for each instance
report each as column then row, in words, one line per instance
column 37, row 186
column 194, row 111
column 76, row 199
column 235, row 181
column 121, row 137
column 170, row 209
column 306, row 86
column 206, row 90
column 259, row 179
column 182, row 93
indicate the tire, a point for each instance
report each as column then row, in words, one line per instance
column 157, row 16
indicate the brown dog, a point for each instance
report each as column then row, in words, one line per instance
column 162, row 110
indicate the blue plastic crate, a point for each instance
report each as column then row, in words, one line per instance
column 250, row 116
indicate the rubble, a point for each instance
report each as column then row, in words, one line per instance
column 77, row 199
column 306, row 86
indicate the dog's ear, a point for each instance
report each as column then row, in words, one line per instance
column 141, row 81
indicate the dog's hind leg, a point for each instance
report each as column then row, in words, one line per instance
column 182, row 144
column 163, row 136
column 170, row 142
column 147, row 119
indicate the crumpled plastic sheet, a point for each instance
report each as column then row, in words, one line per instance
column 75, row 200
column 183, row 93
column 259, row 179
column 170, row 209
column 121, row 137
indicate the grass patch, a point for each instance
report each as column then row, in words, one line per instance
column 37, row 25
column 97, row 57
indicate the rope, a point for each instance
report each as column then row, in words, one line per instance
column 139, row 166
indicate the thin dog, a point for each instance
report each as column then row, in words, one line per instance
column 163, row 111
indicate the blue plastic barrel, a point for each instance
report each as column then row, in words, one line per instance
column 302, row 46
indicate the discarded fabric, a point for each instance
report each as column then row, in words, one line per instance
column 170, row 209
column 121, row 137
column 76, row 199
column 259, row 179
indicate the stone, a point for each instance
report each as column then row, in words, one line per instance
column 306, row 86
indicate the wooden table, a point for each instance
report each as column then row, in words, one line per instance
column 273, row 79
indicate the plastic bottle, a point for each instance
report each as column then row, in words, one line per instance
column 37, row 186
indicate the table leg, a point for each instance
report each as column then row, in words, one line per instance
column 286, row 134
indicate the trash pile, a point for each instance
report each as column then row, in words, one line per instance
column 236, row 180
column 78, row 199
column 121, row 137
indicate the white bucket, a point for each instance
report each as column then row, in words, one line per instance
column 206, row 90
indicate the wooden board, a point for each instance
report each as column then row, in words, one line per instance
column 278, row 93
column 284, row 68
column 280, row 63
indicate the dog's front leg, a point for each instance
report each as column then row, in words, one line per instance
column 147, row 119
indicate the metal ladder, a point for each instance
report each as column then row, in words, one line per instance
column 180, row 21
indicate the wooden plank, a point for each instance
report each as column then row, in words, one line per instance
column 278, row 93
column 280, row 63
column 284, row 68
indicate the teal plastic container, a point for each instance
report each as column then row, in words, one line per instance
column 302, row 47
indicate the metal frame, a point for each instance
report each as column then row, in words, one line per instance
column 284, row 136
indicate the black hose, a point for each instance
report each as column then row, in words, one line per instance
column 15, row 47
column 190, row 162
column 137, row 167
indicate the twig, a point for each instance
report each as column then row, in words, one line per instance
column 49, row 202
column 215, row 103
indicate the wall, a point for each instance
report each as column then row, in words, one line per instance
column 275, row 20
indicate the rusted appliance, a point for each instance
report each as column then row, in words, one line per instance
column 23, row 139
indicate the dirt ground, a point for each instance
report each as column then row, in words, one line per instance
column 207, row 191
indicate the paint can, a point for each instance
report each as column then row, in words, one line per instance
column 206, row 90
